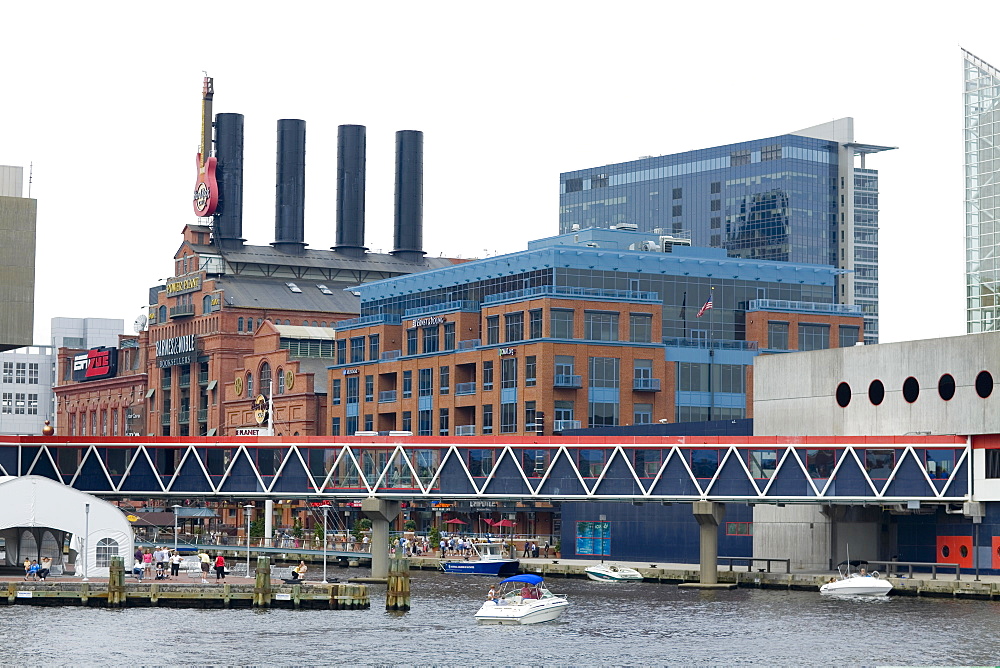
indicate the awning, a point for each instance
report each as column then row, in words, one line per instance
column 211, row 386
column 211, row 432
column 150, row 393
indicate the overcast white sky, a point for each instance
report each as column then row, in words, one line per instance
column 104, row 98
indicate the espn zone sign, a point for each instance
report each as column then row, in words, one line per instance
column 95, row 364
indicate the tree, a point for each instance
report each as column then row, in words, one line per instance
column 297, row 528
column 409, row 525
column 361, row 525
column 434, row 536
column 257, row 527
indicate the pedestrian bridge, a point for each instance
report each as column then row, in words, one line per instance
column 928, row 469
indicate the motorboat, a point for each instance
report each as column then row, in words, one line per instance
column 488, row 559
column 522, row 599
column 612, row 573
column 859, row 583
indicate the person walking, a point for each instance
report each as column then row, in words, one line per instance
column 527, row 549
column 147, row 562
column 175, row 564
column 206, row 561
column 220, row 567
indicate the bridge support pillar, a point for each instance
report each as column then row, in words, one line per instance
column 380, row 512
column 709, row 514
column 268, row 523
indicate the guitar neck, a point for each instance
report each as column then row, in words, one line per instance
column 208, row 91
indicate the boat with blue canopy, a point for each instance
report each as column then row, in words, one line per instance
column 521, row 599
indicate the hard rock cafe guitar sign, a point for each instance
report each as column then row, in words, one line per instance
column 206, row 189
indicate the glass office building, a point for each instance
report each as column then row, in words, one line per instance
column 793, row 198
column 982, row 204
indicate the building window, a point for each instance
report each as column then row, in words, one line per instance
column 357, row 349
column 487, row 419
column 369, row 422
column 8, row 372
column 716, row 187
column 564, row 415
column 351, row 425
column 369, row 389
column 508, row 372
column 265, row 378
column 814, row 337
column 106, row 548
column 487, row 375
column 407, row 421
column 716, row 205
column 33, row 373
column 480, row 463
column 411, row 342
column 424, row 422
column 535, row 324
column 449, row 336
column 676, row 210
column 530, row 370
column 561, row 324
column 603, row 392
column 374, row 348
column 513, row 326
column 642, row 413
column 763, row 463
column 335, row 426
column 777, row 335
column 849, row 335
column 445, row 380
column 678, row 193
column 431, row 339
column 8, row 403
column 529, row 416
column 715, row 222
column 591, row 462
column 281, row 381
column 492, row 329
column 20, row 373
column 407, row 384
column 600, row 326
column 352, row 393
column 342, row 351
column 443, row 422
column 249, row 384
column 335, row 392
column 425, row 382
column 771, row 152
column 640, row 327
column 508, row 418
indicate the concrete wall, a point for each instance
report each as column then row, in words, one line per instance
column 17, row 271
column 800, row 533
column 795, row 393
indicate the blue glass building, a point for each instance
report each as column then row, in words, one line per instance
column 793, row 198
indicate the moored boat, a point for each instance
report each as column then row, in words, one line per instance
column 522, row 599
column 612, row 573
column 860, row 583
column 489, row 559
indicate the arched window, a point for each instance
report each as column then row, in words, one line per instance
column 239, row 324
column 162, row 317
column 249, row 384
column 315, row 324
column 106, row 548
column 265, row 378
column 281, row 381
column 260, row 321
column 206, row 304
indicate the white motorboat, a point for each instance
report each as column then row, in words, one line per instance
column 522, row 599
column 856, row 584
column 612, row 573
column 490, row 559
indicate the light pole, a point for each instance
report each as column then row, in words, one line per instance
column 249, row 509
column 86, row 542
column 175, row 506
column 326, row 509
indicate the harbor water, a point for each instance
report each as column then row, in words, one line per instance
column 606, row 624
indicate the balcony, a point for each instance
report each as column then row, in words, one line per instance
column 465, row 305
column 368, row 320
column 184, row 381
column 714, row 344
column 568, row 381
column 203, row 378
column 469, row 344
column 560, row 425
column 183, row 417
column 646, row 384
column 465, row 430
column 390, row 354
column 465, row 388
column 782, row 305
column 202, row 415
column 387, row 396
column 182, row 310
column 165, row 418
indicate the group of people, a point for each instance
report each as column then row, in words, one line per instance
column 527, row 593
column 158, row 560
column 35, row 570
column 206, row 565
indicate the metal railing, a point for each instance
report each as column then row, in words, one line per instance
column 568, row 380
column 202, row 415
column 892, row 567
column 646, row 384
column 469, row 344
column 808, row 307
column 387, row 396
column 559, row 425
column 181, row 310
column 465, row 430
column 391, row 354
column 465, row 388
column 752, row 560
column 183, row 417
column 714, row 344
column 633, row 295
column 377, row 319
column 467, row 305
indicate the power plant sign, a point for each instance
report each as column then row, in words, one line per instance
column 206, row 187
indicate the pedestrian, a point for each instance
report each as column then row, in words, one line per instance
column 534, row 550
column 220, row 568
column 546, row 548
column 27, row 567
column 206, row 561
column 527, row 549
column 175, row 564
column 147, row 562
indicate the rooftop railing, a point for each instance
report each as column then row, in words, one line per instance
column 467, row 305
column 568, row 291
column 365, row 320
column 714, row 344
column 805, row 307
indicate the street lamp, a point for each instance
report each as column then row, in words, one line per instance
column 326, row 509
column 249, row 509
column 175, row 507
column 86, row 542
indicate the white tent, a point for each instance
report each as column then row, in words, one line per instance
column 38, row 514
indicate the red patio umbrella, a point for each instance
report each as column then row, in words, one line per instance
column 455, row 521
column 503, row 523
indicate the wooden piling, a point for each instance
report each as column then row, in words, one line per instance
column 397, row 595
column 262, row 586
column 116, row 582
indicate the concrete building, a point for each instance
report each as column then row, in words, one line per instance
column 26, row 389
column 938, row 386
column 798, row 197
column 17, row 260
column 981, row 99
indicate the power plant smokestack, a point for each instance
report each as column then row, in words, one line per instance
column 229, row 175
column 408, row 233
column 351, row 190
column 290, row 197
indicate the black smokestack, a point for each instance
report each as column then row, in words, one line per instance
column 351, row 190
column 290, row 198
column 408, row 234
column 229, row 174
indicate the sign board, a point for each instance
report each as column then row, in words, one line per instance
column 427, row 322
column 95, row 364
column 260, row 409
column 277, row 597
column 183, row 285
column 253, row 431
column 175, row 351
column 23, row 594
column 132, row 518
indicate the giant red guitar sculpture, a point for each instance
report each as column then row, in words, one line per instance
column 206, row 189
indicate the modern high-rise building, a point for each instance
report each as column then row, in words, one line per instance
column 17, row 260
column 982, row 183
column 793, row 198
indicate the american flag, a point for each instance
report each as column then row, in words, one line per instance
column 704, row 308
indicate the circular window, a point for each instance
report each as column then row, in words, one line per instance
column 984, row 384
column 946, row 386
column 843, row 395
column 876, row 392
column 964, row 551
column 945, row 551
column 911, row 389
